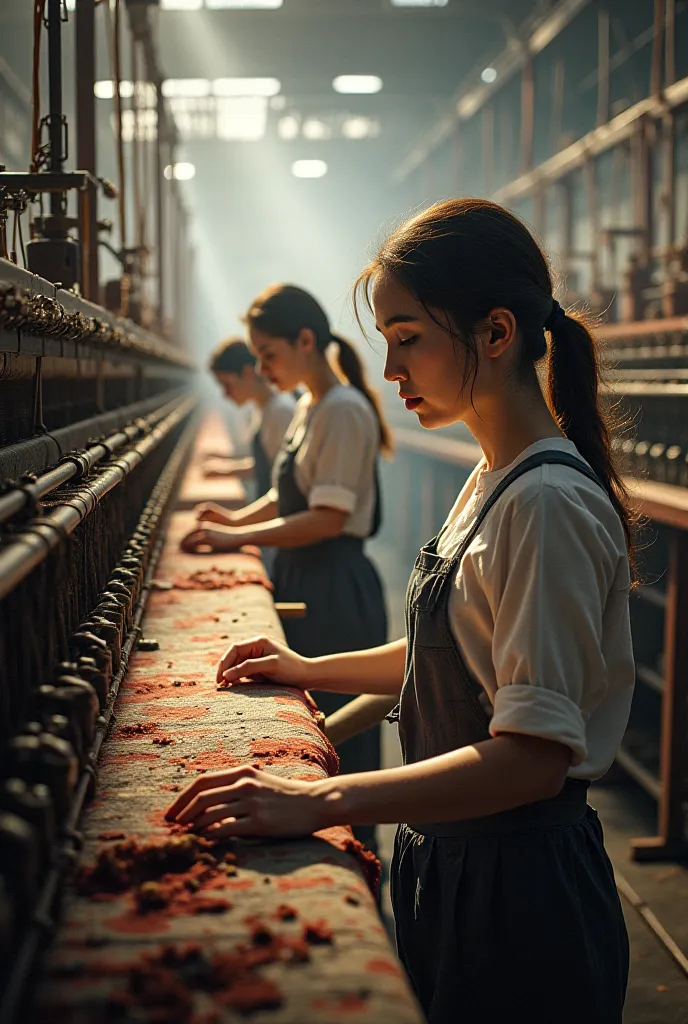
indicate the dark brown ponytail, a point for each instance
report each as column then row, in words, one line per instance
column 573, row 384
column 465, row 257
column 351, row 367
column 283, row 311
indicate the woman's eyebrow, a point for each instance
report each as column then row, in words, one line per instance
column 399, row 318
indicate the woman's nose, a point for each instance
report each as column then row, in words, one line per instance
column 393, row 369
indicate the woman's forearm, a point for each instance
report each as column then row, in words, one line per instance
column 377, row 671
column 495, row 775
column 261, row 510
column 308, row 527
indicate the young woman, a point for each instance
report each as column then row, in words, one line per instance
column 517, row 672
column 234, row 367
column 325, row 501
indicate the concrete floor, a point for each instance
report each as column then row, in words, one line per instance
column 658, row 989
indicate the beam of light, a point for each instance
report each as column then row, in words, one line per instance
column 359, row 84
column 246, row 86
column 489, row 75
column 190, row 87
column 181, row 171
column 309, row 168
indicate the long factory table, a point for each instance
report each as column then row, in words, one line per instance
column 161, row 927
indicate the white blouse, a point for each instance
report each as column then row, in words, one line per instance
column 540, row 610
column 339, row 439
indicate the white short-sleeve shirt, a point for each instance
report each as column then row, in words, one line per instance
column 275, row 419
column 339, row 441
column 540, row 607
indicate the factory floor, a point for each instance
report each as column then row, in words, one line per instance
column 658, row 988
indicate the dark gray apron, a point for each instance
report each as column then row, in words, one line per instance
column 346, row 608
column 512, row 916
column 262, row 467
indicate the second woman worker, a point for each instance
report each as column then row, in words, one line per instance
column 325, row 500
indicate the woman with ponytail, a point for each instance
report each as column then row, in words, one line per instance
column 325, row 498
column 516, row 675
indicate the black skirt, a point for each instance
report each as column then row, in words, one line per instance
column 511, row 925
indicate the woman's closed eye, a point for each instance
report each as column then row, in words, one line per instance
column 408, row 341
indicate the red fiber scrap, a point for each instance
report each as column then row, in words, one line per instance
column 314, row 751
column 220, row 579
column 341, row 837
column 210, row 760
column 135, row 730
column 318, row 934
column 163, row 741
column 381, row 966
column 107, row 837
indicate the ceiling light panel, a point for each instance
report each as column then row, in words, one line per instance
column 419, row 3
column 315, row 130
column 246, row 86
column 288, row 128
column 180, row 171
column 243, row 5
column 360, row 128
column 190, row 87
column 181, row 5
column 357, row 84
column 105, row 89
column 309, row 168
column 242, row 119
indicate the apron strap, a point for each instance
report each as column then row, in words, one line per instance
column 532, row 462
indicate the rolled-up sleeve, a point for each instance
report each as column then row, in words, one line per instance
column 548, row 621
column 344, row 459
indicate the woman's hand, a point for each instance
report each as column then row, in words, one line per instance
column 217, row 539
column 210, row 512
column 262, row 659
column 246, row 802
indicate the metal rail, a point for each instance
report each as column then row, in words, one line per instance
column 29, row 548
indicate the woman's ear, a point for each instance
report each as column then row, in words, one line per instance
column 500, row 330
column 306, row 339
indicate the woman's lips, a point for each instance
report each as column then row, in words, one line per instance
column 412, row 403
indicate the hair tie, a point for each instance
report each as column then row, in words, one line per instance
column 556, row 316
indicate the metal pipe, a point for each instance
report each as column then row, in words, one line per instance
column 55, row 97
column 159, row 226
column 86, row 144
column 15, row 501
column 603, row 22
column 657, row 49
column 670, row 43
column 527, row 115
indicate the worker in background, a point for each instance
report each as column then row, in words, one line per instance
column 234, row 367
column 325, row 501
column 516, row 675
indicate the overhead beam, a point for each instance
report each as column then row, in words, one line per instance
column 595, row 142
column 509, row 63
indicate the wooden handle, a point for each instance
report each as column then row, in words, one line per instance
column 291, row 609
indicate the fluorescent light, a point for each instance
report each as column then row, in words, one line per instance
column 182, row 171
column 309, row 168
column 357, row 83
column 360, row 128
column 181, row 5
column 191, row 87
column 71, row 5
column 288, row 128
column 242, row 119
column 243, row 5
column 246, row 86
column 315, row 130
column 105, row 89
column 489, row 75
column 419, row 3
